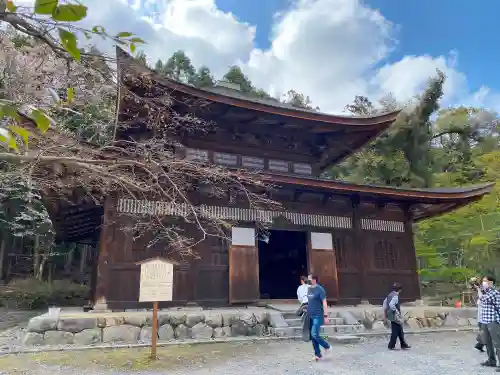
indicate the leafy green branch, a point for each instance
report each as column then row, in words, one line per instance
column 52, row 22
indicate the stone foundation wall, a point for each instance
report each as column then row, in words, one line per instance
column 372, row 318
column 91, row 328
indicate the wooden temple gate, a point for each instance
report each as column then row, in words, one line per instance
column 355, row 259
column 359, row 237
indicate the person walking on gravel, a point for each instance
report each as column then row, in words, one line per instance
column 392, row 312
column 318, row 313
column 490, row 313
column 480, row 336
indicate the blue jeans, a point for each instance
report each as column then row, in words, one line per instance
column 316, row 339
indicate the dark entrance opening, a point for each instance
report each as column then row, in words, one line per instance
column 282, row 260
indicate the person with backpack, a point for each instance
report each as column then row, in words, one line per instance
column 392, row 312
column 490, row 319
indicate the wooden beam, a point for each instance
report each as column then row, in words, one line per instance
column 360, row 246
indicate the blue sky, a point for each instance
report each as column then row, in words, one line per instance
column 330, row 50
column 433, row 27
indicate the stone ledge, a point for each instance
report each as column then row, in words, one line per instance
column 135, row 327
column 345, row 339
column 414, row 317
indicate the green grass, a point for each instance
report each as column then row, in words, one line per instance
column 135, row 359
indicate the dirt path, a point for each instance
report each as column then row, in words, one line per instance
column 443, row 354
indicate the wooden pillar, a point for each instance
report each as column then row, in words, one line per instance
column 105, row 240
column 412, row 251
column 360, row 247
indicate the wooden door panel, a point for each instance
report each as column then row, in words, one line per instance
column 243, row 274
column 323, row 263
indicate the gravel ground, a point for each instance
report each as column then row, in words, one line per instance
column 442, row 354
column 13, row 318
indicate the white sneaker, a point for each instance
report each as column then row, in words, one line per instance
column 327, row 352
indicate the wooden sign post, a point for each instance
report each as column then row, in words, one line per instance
column 156, row 285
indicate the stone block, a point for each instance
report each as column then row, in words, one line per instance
column 257, row 330
column 122, row 333
column 230, row 316
column 463, row 322
column 182, row 332
column 213, row 319
column 348, row 317
column 58, row 338
column 276, row 320
column 40, row 324
column 239, row 329
column 202, row 332
column 450, row 322
column 414, row 323
column 88, row 337
column 262, row 317
column 193, row 319
column 163, row 318
column 75, row 325
column 177, row 318
column 443, row 315
column 222, row 332
column 110, row 321
column 166, row 332
column 146, row 334
column 137, row 320
column 248, row 318
column 33, row 339
column 430, row 313
column 378, row 326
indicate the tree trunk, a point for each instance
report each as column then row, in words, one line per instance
column 83, row 260
column 2, row 259
column 69, row 258
column 40, row 268
column 36, row 257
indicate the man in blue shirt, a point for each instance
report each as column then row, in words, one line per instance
column 317, row 310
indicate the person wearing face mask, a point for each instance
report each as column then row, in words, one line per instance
column 392, row 312
column 490, row 319
column 318, row 313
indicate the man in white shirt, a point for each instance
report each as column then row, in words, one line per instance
column 302, row 290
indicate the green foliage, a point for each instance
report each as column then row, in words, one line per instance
column 69, row 42
column 34, row 294
column 63, row 15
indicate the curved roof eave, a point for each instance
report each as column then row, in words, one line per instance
column 379, row 121
column 432, row 195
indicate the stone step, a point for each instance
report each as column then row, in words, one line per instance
column 293, row 314
column 298, row 321
column 327, row 329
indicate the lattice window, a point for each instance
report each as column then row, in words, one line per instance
column 231, row 213
column 225, row 159
column 386, row 256
column 279, row 166
column 302, row 168
column 195, row 154
column 382, row 225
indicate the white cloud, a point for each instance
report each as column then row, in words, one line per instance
column 330, row 50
